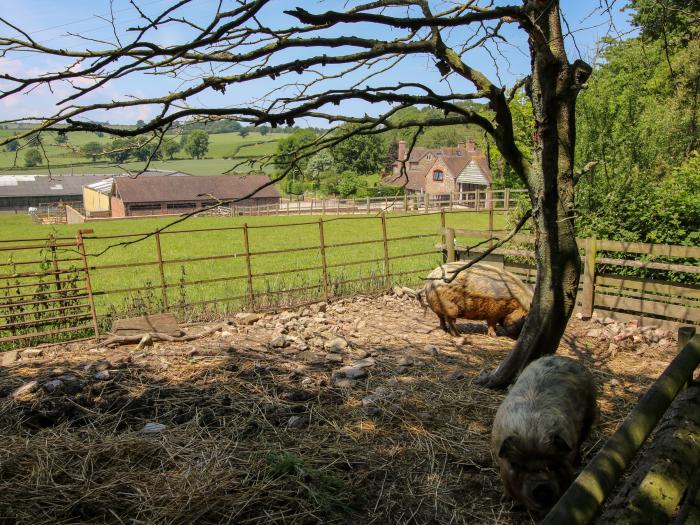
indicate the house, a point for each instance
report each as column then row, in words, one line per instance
column 20, row 192
column 97, row 196
column 441, row 171
column 163, row 195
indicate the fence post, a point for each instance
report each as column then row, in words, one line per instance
column 387, row 272
column 368, row 206
column 405, row 202
column 246, row 243
column 443, row 223
column 298, row 207
column 506, row 199
column 685, row 334
column 311, row 210
column 324, row 265
column 450, row 244
column 163, row 285
column 323, row 204
column 451, row 200
column 588, row 294
column 490, row 225
column 88, row 284
column 426, row 202
column 477, row 196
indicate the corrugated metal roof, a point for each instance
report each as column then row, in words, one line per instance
column 45, row 185
column 172, row 189
column 105, row 186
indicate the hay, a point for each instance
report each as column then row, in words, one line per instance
column 415, row 453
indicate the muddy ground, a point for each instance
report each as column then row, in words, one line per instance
column 359, row 411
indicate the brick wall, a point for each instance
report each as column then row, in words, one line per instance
column 447, row 185
column 118, row 209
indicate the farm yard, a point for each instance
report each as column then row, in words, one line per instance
column 240, row 428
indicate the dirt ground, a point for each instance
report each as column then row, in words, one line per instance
column 282, row 421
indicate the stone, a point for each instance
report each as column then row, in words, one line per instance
column 350, row 372
column 319, row 307
column 613, row 329
column 608, row 320
column 595, row 333
column 298, row 422
column 579, row 316
column 287, row 316
column 153, row 428
column 337, row 344
column 279, row 342
column 637, row 339
column 31, row 353
column 334, row 358
column 460, row 341
column 431, row 350
column 398, row 291
column 664, row 342
column 372, row 411
column 307, row 381
column 55, row 385
column 247, row 318
column 410, row 292
column 365, row 363
column 456, row 376
column 362, row 354
column 405, row 361
column 102, row 375
column 612, row 349
column 226, row 333
column 393, row 382
column 614, row 383
column 8, row 357
column 26, row 388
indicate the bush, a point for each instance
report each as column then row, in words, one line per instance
column 33, row 158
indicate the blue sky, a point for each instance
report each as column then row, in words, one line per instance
column 50, row 23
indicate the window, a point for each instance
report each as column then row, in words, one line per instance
column 180, row 205
column 438, row 175
column 430, row 157
column 154, row 206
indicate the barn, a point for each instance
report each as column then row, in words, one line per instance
column 163, row 195
column 20, row 192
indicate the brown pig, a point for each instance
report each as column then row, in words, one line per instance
column 539, row 428
column 481, row 292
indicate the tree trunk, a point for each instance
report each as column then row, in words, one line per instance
column 552, row 88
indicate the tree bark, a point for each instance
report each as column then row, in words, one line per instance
column 552, row 88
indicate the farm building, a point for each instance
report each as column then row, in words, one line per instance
column 441, row 171
column 163, row 195
column 97, row 196
column 19, row 192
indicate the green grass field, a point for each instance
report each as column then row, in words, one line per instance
column 225, row 149
column 301, row 268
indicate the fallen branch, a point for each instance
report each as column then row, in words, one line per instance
column 158, row 336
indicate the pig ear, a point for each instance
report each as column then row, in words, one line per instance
column 507, row 447
column 560, row 444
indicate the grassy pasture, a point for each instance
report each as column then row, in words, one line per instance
column 300, row 268
column 66, row 158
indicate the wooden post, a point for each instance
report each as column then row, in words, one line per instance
column 337, row 206
column 426, row 202
column 450, row 244
column 323, row 209
column 405, row 202
column 506, row 199
column 163, row 285
column 311, row 210
column 451, row 200
column 490, row 225
column 299, row 207
column 368, row 206
column 323, row 259
column 476, row 200
column 588, row 294
column 88, row 284
column 387, row 273
column 287, row 206
column 246, row 243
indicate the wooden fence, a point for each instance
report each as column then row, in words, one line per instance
column 604, row 287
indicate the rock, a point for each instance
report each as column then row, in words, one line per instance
column 319, row 307
column 8, row 357
column 145, row 341
column 337, row 344
column 153, row 428
column 614, row 383
column 362, row 354
column 307, row 381
column 393, row 382
column 298, row 422
column 365, row 363
column 613, row 329
column 579, row 316
column 55, row 385
column 226, row 333
column 340, row 309
column 279, row 342
column 612, row 349
column 608, row 320
column 31, row 353
column 456, row 376
column 287, row 316
column 460, row 341
column 372, row 411
column 350, row 372
column 398, row 291
column 410, row 292
column 431, row 350
column 102, row 375
column 405, row 361
column 334, row 358
column 664, row 342
column 26, row 388
column 595, row 333
column 247, row 318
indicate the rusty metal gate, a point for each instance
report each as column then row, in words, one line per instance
column 45, row 292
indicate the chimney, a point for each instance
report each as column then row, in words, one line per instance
column 461, row 146
column 471, row 146
column 402, row 150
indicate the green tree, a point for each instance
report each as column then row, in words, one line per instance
column 118, row 151
column 33, row 157
column 148, row 151
column 61, row 138
column 13, row 145
column 319, row 163
column 170, row 147
column 196, row 143
column 263, row 130
column 244, row 132
column 92, row 150
column 362, row 154
column 293, row 147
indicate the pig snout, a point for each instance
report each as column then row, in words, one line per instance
column 543, row 494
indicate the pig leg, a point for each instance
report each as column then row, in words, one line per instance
column 453, row 327
column 443, row 325
column 513, row 323
column 491, row 331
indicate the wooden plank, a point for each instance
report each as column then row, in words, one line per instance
column 672, row 311
column 671, row 299
column 668, row 250
column 589, row 279
column 163, row 323
column 649, row 265
column 687, row 291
